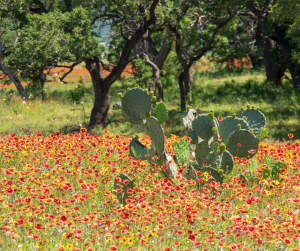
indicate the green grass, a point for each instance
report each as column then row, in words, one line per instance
column 224, row 90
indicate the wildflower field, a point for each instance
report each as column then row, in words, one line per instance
column 57, row 193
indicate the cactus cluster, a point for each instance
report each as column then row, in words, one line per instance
column 136, row 107
column 213, row 144
column 216, row 143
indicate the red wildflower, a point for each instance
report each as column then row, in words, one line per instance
column 63, row 218
column 9, row 190
column 39, row 226
column 192, row 237
column 83, row 130
column 287, row 241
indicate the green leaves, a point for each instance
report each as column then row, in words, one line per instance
column 53, row 38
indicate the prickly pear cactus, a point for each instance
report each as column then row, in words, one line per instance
column 217, row 143
column 154, row 130
column 139, row 151
column 136, row 108
column 202, row 126
column 188, row 117
column 117, row 105
column 131, row 120
column 218, row 177
column 194, row 137
column 214, row 160
column 243, row 144
column 201, row 152
column 182, row 151
column 227, row 162
column 136, row 103
column 255, row 118
column 161, row 112
column 228, row 125
column 123, row 182
column 138, row 128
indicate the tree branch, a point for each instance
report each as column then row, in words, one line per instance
column 2, row 33
column 71, row 69
column 42, row 7
column 107, row 53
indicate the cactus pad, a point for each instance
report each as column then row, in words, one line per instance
column 227, row 162
column 203, row 126
column 214, row 160
column 138, row 150
column 194, row 137
column 122, row 196
column 188, row 118
column 182, row 151
column 228, row 125
column 138, row 128
column 201, row 152
column 213, row 173
column 117, row 105
column 133, row 120
column 161, row 112
column 154, row 130
column 242, row 144
column 136, row 103
column 255, row 118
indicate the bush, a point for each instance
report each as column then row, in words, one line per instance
column 76, row 95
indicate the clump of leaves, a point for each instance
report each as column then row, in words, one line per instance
column 76, row 95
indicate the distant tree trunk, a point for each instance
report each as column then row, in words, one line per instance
column 99, row 114
column 280, row 38
column 256, row 61
column 159, row 60
column 184, row 84
column 42, row 81
column 274, row 71
column 68, row 5
column 14, row 79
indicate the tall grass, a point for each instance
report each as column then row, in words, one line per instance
column 224, row 90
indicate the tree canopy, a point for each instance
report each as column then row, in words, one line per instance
column 36, row 36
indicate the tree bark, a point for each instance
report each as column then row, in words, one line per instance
column 99, row 114
column 280, row 38
column 14, row 79
column 156, row 77
column 182, row 92
column 274, row 71
column 256, row 62
column 159, row 61
column 69, row 5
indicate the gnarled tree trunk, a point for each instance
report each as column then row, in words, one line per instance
column 280, row 38
column 99, row 114
column 14, row 79
column 274, row 70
